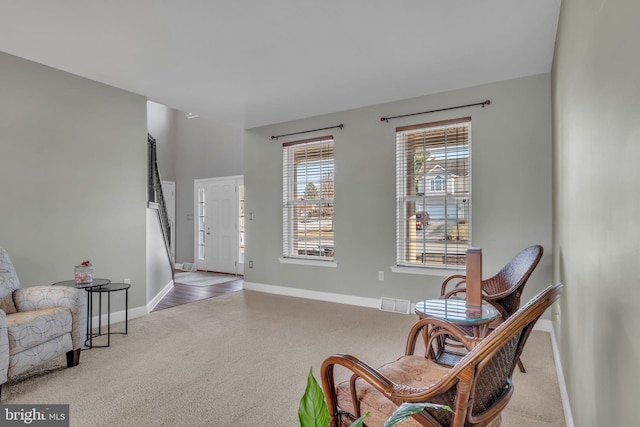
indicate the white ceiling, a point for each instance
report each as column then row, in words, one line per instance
column 256, row 62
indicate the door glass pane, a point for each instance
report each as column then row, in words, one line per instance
column 201, row 223
column 241, row 222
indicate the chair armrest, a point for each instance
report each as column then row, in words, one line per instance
column 391, row 390
column 455, row 284
column 502, row 312
column 372, row 376
column 459, row 287
column 489, row 299
column 360, row 369
column 4, row 348
column 43, row 297
column 435, row 328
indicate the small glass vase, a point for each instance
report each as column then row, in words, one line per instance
column 83, row 274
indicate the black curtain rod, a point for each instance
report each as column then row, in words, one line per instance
column 386, row 119
column 307, row 131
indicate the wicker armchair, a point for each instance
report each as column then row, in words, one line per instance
column 504, row 289
column 478, row 388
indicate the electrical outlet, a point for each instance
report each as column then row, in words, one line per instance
column 250, row 264
column 127, row 280
column 380, row 275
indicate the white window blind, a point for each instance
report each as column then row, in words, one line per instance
column 308, row 208
column 433, row 193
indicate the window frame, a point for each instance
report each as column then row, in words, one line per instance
column 449, row 199
column 294, row 206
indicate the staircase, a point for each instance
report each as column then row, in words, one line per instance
column 156, row 198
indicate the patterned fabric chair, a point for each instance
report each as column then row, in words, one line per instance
column 37, row 323
column 478, row 388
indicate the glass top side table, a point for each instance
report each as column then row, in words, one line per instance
column 109, row 289
column 455, row 311
column 100, row 286
column 73, row 284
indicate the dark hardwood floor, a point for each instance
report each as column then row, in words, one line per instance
column 183, row 294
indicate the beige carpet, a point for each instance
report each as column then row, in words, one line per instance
column 242, row 359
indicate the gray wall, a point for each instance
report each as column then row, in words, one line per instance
column 596, row 112
column 189, row 150
column 511, row 151
column 205, row 149
column 159, row 273
column 73, row 176
column 162, row 125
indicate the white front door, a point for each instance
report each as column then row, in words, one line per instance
column 217, row 225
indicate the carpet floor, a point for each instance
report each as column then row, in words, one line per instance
column 242, row 359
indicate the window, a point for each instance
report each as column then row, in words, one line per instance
column 433, row 181
column 308, row 170
column 437, row 184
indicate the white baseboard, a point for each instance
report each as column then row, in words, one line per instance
column 119, row 316
column 541, row 325
column 152, row 304
column 566, row 405
column 316, row 295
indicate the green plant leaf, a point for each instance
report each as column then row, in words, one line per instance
column 360, row 421
column 313, row 411
column 405, row 410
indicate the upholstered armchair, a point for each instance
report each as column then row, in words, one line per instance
column 38, row 323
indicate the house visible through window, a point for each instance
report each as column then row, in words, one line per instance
column 308, row 171
column 433, row 193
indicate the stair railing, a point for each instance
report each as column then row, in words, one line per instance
column 155, row 196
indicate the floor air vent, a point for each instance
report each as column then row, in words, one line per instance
column 187, row 266
column 395, row 305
